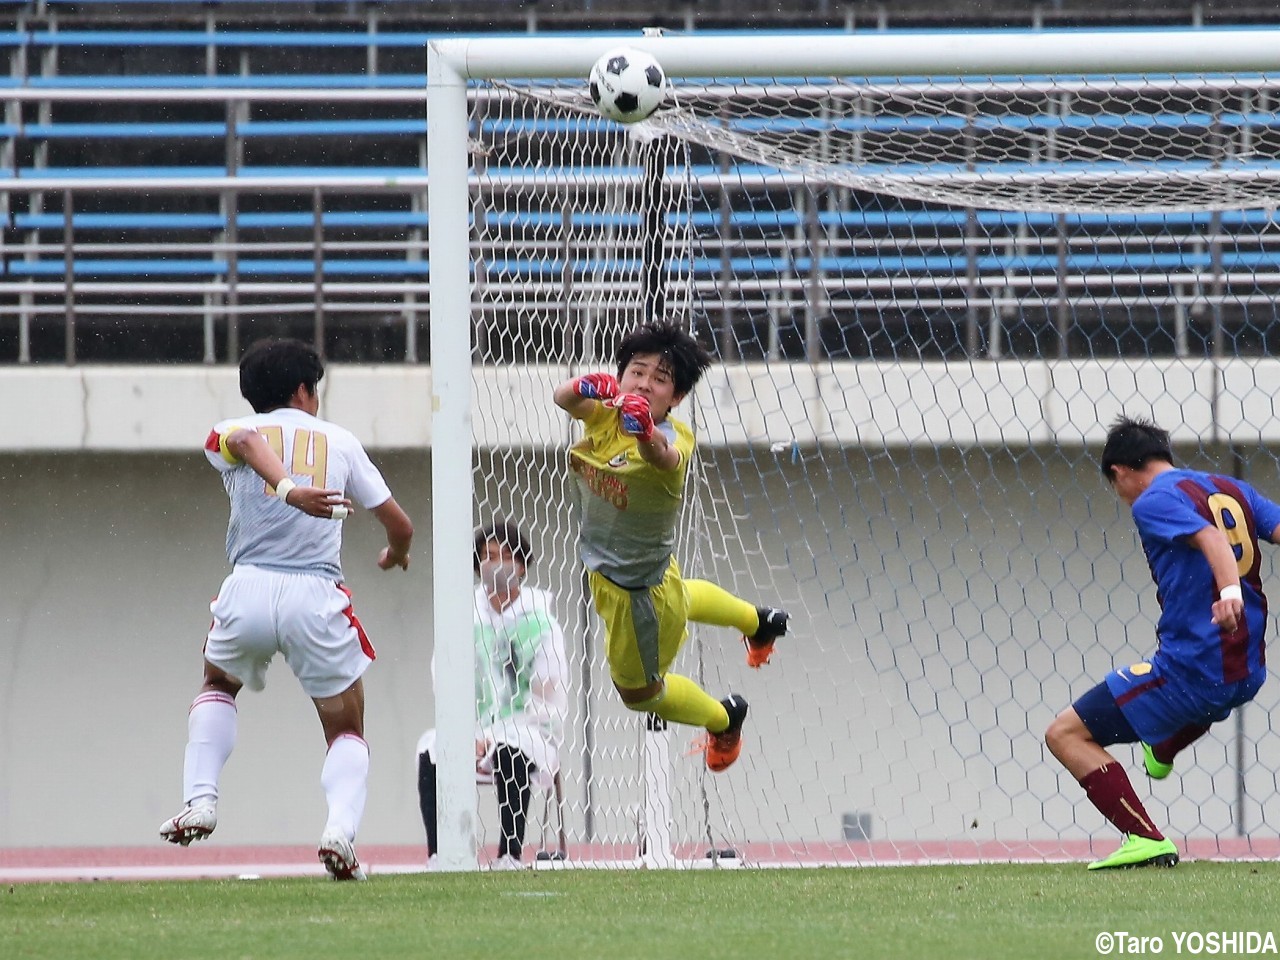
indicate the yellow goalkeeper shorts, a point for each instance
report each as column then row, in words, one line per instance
column 643, row 629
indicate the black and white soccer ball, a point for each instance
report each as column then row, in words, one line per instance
column 627, row 85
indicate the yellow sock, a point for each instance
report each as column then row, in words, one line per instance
column 709, row 603
column 683, row 701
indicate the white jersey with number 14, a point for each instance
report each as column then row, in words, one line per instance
column 267, row 533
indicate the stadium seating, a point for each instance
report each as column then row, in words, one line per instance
column 206, row 255
column 196, row 248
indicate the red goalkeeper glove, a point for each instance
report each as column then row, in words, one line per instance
column 637, row 419
column 597, row 386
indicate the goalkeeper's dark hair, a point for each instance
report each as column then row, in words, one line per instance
column 1132, row 442
column 507, row 534
column 272, row 370
column 687, row 358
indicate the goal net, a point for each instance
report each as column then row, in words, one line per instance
column 927, row 298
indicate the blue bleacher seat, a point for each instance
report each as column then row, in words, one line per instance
column 226, row 38
column 214, row 221
column 121, row 221
column 250, row 128
column 327, row 81
column 142, row 174
column 88, row 267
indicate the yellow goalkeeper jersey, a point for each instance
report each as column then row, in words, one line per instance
column 628, row 506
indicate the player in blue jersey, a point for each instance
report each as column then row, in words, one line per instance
column 1200, row 533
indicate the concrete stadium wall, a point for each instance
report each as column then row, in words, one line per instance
column 894, row 405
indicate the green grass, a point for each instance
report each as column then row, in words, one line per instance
column 992, row 911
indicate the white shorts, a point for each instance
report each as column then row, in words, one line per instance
column 308, row 618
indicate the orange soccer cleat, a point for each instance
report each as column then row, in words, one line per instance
column 773, row 624
column 722, row 748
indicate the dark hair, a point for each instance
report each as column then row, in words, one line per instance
column 1131, row 442
column 684, row 355
column 272, row 370
column 507, row 534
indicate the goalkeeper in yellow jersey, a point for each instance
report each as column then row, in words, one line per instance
column 630, row 467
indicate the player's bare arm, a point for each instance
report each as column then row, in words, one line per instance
column 399, row 530
column 1228, row 609
column 576, row 397
column 249, row 446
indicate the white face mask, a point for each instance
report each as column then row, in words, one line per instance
column 499, row 576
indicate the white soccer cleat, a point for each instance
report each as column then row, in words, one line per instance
column 193, row 823
column 506, row 862
column 338, row 854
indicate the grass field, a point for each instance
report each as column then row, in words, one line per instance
column 1014, row 911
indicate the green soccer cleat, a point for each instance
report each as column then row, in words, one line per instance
column 1139, row 851
column 1155, row 769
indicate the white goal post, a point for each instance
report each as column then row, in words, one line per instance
column 455, row 64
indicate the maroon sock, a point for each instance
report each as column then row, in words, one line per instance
column 1108, row 788
column 1166, row 750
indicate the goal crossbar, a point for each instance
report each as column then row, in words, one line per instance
column 913, row 54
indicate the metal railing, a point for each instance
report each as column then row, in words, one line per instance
column 67, row 260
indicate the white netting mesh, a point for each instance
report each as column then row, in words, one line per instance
column 1100, row 143
column 933, row 518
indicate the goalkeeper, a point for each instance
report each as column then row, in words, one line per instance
column 630, row 467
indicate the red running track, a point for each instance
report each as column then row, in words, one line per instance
column 207, row 860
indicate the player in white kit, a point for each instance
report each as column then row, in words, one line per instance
column 289, row 475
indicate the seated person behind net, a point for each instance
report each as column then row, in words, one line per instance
column 521, row 700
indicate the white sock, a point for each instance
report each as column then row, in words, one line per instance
column 211, row 736
column 345, row 779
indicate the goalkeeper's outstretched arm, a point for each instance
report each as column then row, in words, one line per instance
column 576, row 396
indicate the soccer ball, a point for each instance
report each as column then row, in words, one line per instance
column 627, row 85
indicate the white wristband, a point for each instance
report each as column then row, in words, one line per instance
column 283, row 488
column 1232, row 592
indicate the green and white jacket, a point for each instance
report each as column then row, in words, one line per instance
column 521, row 682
